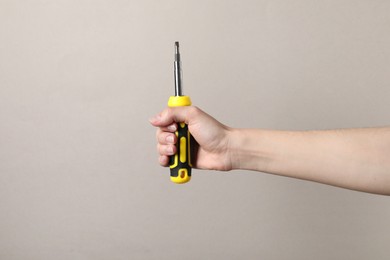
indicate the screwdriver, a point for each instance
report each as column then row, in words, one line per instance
column 180, row 164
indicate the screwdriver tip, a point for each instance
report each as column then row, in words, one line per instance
column 177, row 47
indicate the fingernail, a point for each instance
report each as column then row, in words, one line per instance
column 169, row 139
column 170, row 150
column 163, row 160
column 172, row 128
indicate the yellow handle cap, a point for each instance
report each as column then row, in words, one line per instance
column 179, row 101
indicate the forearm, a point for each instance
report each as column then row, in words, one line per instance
column 356, row 159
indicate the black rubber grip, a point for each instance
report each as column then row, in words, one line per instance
column 180, row 163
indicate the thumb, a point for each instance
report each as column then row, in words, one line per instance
column 172, row 115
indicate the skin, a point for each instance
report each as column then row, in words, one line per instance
column 357, row 159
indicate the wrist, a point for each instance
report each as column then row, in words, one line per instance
column 250, row 149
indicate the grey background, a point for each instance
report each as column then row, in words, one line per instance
column 79, row 177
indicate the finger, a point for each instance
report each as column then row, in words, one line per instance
column 170, row 128
column 163, row 160
column 163, row 132
column 166, row 138
column 167, row 150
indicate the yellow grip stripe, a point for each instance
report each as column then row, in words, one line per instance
column 183, row 149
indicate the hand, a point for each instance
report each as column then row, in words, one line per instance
column 212, row 137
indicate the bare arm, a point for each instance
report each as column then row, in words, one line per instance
column 357, row 159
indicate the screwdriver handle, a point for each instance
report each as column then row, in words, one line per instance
column 180, row 164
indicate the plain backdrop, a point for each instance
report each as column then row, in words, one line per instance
column 79, row 177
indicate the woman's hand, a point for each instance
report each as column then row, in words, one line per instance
column 212, row 137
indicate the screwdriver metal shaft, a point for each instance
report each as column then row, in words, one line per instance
column 177, row 72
